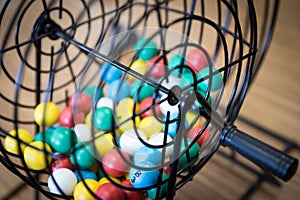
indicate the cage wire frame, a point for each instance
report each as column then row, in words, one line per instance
column 241, row 42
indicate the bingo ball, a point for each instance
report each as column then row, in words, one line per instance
column 126, row 123
column 193, row 133
column 147, row 110
column 176, row 61
column 141, row 91
column 103, row 119
column 140, row 67
column 146, row 49
column 147, row 154
column 12, row 145
column 158, row 141
column 65, row 180
column 106, row 180
column 109, row 191
column 189, row 154
column 83, row 132
column 109, row 73
column 82, row 193
column 130, row 141
column 125, row 107
column 118, row 90
column 216, row 80
column 82, row 155
column 150, row 125
column 115, row 163
column 68, row 118
column 105, row 102
column 163, row 189
column 62, row 163
column 157, row 66
column 143, row 178
column 44, row 136
column 94, row 92
column 174, row 125
column 81, row 101
column 85, row 174
column 35, row 156
column 104, row 143
column 63, row 139
column 46, row 114
column 131, row 195
column 197, row 60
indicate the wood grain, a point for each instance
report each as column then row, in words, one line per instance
column 273, row 102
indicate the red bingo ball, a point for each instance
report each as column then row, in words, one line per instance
column 156, row 66
column 62, row 163
column 81, row 102
column 203, row 138
column 146, row 103
column 109, row 191
column 197, row 60
column 114, row 164
column 131, row 195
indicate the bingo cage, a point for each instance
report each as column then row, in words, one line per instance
column 128, row 99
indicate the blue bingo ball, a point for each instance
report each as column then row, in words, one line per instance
column 147, row 154
column 173, row 127
column 143, row 178
column 109, row 73
column 118, row 90
column 86, row 174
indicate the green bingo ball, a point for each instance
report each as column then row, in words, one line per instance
column 193, row 152
column 216, row 80
column 103, row 118
column 175, row 61
column 82, row 156
column 146, row 49
column 142, row 90
column 92, row 91
column 63, row 139
column 162, row 190
column 44, row 136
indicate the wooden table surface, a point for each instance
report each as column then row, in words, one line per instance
column 272, row 103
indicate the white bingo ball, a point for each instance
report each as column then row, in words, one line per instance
column 158, row 139
column 170, row 82
column 83, row 132
column 129, row 141
column 165, row 107
column 65, row 179
column 105, row 102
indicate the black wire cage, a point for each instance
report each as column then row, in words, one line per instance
column 64, row 61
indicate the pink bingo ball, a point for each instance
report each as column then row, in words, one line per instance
column 197, row 60
column 82, row 102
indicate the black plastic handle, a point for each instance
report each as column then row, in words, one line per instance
column 260, row 153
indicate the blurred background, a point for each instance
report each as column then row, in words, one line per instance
column 271, row 113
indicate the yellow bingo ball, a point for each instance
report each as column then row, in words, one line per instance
column 87, row 120
column 36, row 159
column 82, row 193
column 128, row 124
column 150, row 125
column 139, row 66
column 47, row 113
column 191, row 117
column 105, row 180
column 11, row 143
column 125, row 107
column 104, row 143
